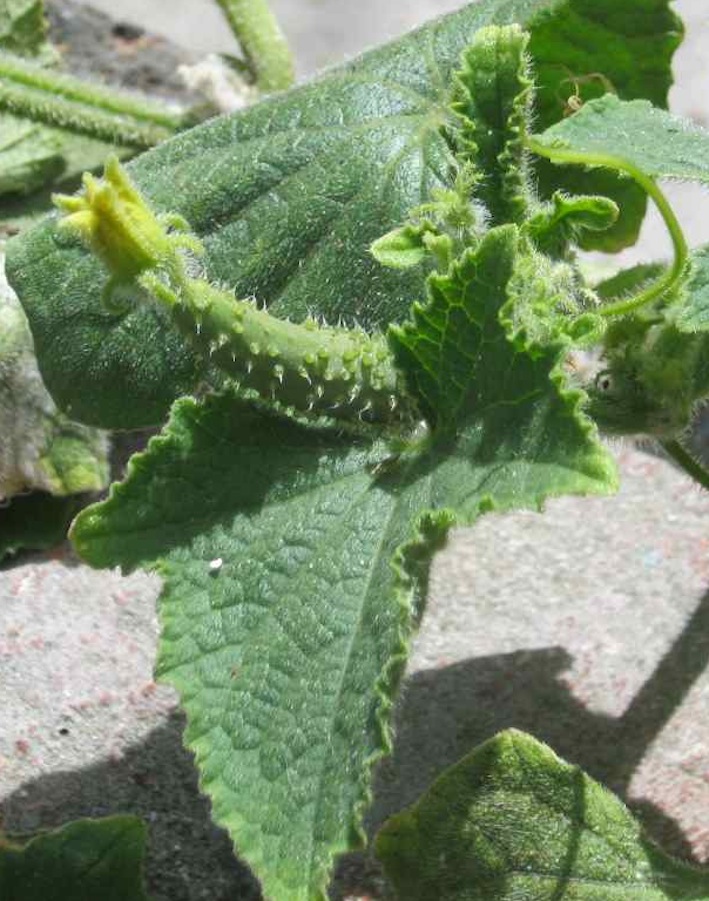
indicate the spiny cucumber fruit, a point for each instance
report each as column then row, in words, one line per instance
column 312, row 368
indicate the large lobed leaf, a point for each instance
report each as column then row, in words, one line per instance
column 284, row 625
column 288, row 196
column 85, row 860
column 512, row 821
column 295, row 562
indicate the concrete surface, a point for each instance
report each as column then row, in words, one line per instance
column 587, row 626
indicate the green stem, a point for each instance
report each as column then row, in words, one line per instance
column 672, row 276
column 687, row 462
column 61, row 100
column 262, row 41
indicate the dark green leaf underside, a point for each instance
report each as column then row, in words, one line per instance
column 512, row 821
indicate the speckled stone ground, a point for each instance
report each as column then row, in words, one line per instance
column 587, row 626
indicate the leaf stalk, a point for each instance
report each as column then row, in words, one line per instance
column 64, row 101
column 686, row 462
column 265, row 48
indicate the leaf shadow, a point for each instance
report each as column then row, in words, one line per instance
column 441, row 715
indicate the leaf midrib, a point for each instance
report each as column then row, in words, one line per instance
column 312, row 866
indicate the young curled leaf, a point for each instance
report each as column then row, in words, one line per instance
column 403, row 247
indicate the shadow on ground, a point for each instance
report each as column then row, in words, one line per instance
column 442, row 714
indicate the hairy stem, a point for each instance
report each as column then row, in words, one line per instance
column 262, row 42
column 672, row 276
column 65, row 101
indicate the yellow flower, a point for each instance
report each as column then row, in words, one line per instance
column 115, row 222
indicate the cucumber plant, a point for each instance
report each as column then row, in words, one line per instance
column 362, row 298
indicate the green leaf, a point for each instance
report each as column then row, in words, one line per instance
column 35, row 521
column 29, row 156
column 507, row 430
column 295, row 560
column 512, row 821
column 692, row 314
column 83, row 861
column 628, row 281
column 629, row 136
column 284, row 622
column 288, row 195
column 492, row 329
column 565, row 219
column 585, row 49
column 39, row 447
column 23, row 28
column 403, row 247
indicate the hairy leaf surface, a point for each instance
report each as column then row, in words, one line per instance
column 629, row 135
column 692, row 314
column 83, row 861
column 493, row 99
column 628, row 281
column 513, row 821
column 288, row 196
column 284, row 622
